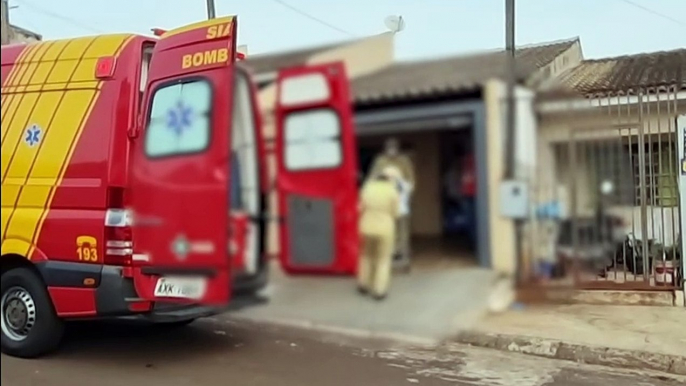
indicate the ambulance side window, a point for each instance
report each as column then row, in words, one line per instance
column 312, row 140
column 179, row 119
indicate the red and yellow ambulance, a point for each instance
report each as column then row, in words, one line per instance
column 134, row 180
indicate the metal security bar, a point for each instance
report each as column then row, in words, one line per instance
column 629, row 184
column 624, row 228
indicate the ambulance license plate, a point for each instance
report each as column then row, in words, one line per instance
column 181, row 287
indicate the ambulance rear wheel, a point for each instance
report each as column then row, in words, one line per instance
column 30, row 326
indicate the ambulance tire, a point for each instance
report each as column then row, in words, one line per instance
column 47, row 329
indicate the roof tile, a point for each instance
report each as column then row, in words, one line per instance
column 451, row 75
column 627, row 75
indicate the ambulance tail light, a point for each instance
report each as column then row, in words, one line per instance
column 104, row 67
column 118, row 238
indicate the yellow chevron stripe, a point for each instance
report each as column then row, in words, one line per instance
column 27, row 104
column 33, row 196
column 104, row 48
column 22, row 225
column 198, row 25
column 20, row 163
column 30, row 63
column 62, row 86
column 108, row 45
column 10, row 102
column 30, row 179
column 16, row 130
column 12, row 105
column 6, row 99
column 20, row 118
column 10, row 110
column 25, row 55
column 64, row 152
column 55, row 50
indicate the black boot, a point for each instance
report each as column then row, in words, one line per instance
column 362, row 291
column 379, row 298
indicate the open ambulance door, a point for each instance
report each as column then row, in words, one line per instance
column 179, row 176
column 316, row 171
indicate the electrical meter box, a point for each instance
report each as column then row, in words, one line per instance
column 514, row 199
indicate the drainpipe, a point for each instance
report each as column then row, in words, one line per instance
column 511, row 134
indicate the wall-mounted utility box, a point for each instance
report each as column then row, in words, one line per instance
column 514, row 199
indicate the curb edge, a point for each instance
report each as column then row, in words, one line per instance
column 593, row 355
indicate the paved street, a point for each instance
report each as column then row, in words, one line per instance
column 220, row 352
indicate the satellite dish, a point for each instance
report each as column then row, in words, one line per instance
column 395, row 23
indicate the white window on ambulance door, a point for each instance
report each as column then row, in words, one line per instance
column 312, row 140
column 179, row 119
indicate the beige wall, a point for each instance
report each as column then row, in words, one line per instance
column 501, row 230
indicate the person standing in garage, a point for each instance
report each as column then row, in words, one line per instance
column 393, row 157
column 379, row 207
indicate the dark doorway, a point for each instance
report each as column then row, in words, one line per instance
column 458, row 187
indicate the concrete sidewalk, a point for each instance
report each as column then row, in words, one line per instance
column 425, row 306
column 621, row 336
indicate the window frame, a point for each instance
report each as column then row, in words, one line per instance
column 210, row 115
column 338, row 137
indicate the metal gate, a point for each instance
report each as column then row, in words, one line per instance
column 624, row 229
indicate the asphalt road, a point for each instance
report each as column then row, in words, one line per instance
column 221, row 352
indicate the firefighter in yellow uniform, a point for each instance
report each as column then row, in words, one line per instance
column 379, row 205
column 392, row 157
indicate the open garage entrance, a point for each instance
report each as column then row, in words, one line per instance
column 444, row 208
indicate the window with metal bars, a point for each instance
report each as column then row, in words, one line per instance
column 659, row 180
column 617, row 162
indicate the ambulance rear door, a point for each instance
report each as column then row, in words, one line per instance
column 316, row 171
column 180, row 169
